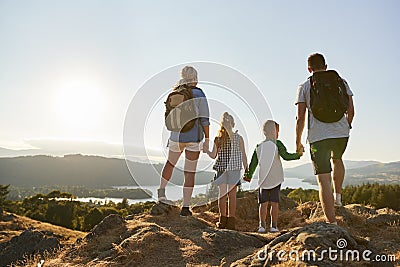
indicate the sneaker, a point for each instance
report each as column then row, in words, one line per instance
column 273, row 230
column 261, row 230
column 337, row 200
column 185, row 212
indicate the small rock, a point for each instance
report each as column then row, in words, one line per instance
column 129, row 217
column 160, row 209
column 112, row 221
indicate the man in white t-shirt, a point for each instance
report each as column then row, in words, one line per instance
column 327, row 141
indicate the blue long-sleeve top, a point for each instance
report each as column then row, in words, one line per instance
column 195, row 134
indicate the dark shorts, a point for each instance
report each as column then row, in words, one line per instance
column 269, row 195
column 322, row 152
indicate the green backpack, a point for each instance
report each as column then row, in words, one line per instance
column 180, row 110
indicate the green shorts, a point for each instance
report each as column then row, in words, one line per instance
column 322, row 152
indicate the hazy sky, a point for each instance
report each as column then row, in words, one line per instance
column 69, row 69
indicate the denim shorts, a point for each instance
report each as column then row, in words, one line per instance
column 227, row 177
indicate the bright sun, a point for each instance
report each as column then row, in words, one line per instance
column 80, row 105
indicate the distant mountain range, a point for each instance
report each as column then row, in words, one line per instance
column 99, row 172
column 306, row 170
column 64, row 147
column 357, row 172
column 89, row 171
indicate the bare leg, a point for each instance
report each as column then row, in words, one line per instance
column 168, row 168
column 263, row 213
column 274, row 214
column 326, row 196
column 338, row 175
column 232, row 200
column 222, row 199
column 191, row 158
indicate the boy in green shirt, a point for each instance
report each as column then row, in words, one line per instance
column 267, row 155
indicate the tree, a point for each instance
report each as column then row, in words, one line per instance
column 92, row 218
column 304, row 195
column 3, row 193
column 3, row 196
column 124, row 204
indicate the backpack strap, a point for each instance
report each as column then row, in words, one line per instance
column 308, row 110
column 311, row 81
column 198, row 118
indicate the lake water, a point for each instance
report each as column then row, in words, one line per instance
column 175, row 192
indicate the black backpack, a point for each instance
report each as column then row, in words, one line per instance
column 328, row 96
column 180, row 110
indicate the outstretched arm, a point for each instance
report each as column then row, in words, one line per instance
column 253, row 166
column 244, row 156
column 284, row 154
column 213, row 154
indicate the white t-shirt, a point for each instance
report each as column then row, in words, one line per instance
column 318, row 130
column 270, row 173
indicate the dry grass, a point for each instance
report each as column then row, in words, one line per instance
column 173, row 241
column 17, row 224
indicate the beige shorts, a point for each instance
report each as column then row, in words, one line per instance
column 179, row 147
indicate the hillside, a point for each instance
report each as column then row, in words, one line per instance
column 89, row 171
column 161, row 236
column 357, row 172
column 381, row 173
column 100, row 172
column 306, row 170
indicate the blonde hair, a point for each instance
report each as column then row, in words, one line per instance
column 270, row 128
column 188, row 76
column 225, row 128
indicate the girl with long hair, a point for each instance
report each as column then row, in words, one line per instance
column 230, row 155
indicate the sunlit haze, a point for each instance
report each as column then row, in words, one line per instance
column 69, row 69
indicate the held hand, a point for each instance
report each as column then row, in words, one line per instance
column 300, row 149
column 206, row 146
column 246, row 179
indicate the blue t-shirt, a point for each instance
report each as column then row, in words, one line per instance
column 195, row 134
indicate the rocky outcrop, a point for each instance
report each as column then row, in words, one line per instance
column 109, row 223
column 162, row 237
column 317, row 244
column 26, row 244
column 148, row 240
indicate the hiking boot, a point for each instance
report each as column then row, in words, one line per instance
column 161, row 195
column 222, row 222
column 185, row 212
column 231, row 223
